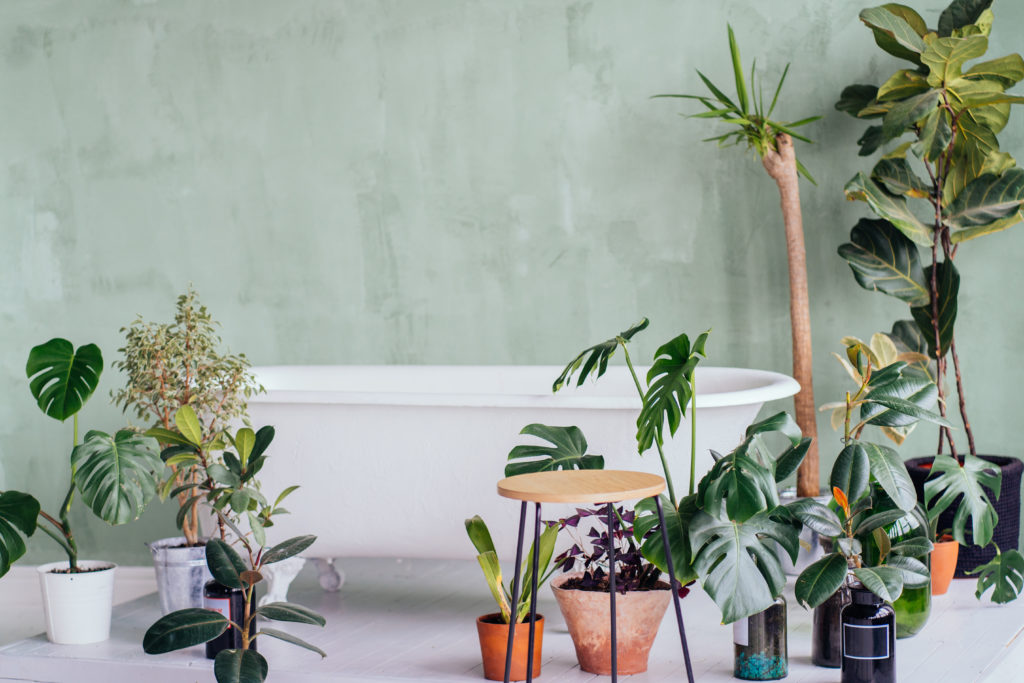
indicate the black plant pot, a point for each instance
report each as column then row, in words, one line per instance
column 1007, row 531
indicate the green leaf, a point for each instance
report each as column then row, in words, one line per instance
column 885, row 582
column 898, row 178
column 677, row 522
column 906, row 113
column 289, row 548
column 851, row 472
column 244, row 442
column 224, row 563
column 746, row 487
column 789, row 460
column 945, row 57
column 934, row 137
column 479, row 534
column 986, row 199
column 595, row 359
column 264, row 436
column 188, row 424
column 890, row 473
column 1006, row 71
column 913, row 572
column 987, row 229
column 950, row 482
column 877, row 520
column 890, row 207
column 890, row 411
column 222, row 475
column 738, row 563
column 669, row 389
column 488, row 561
column 815, row 516
column 184, row 628
column 884, row 260
column 1004, row 573
column 820, row 580
column 259, row 534
column 63, row 378
column 913, row 547
column 781, row 423
column 857, row 97
column 960, row 13
column 18, row 514
column 289, row 638
column 117, row 475
column 901, row 85
column 896, row 30
column 284, row 494
column 737, row 68
column 240, row 666
column 168, row 436
column 547, row 549
column 567, row 450
column 948, row 281
column 287, row 611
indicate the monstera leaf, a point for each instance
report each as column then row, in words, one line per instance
column 566, row 450
column 669, row 389
column 954, row 481
column 738, row 563
column 677, row 522
column 117, row 474
column 743, row 484
column 1004, row 574
column 63, row 378
column 18, row 514
column 595, row 359
column 884, row 260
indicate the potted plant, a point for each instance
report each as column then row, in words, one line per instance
column 114, row 475
column 492, row 629
column 170, row 365
column 773, row 142
column 239, row 662
column 957, row 176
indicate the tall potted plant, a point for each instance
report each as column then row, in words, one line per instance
column 773, row 141
column 167, row 366
column 115, row 476
column 957, row 176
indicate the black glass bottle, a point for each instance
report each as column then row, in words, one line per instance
column 230, row 602
column 826, row 630
column 869, row 638
column 760, row 642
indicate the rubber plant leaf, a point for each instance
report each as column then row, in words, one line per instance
column 63, row 378
column 669, row 389
column 287, row 611
column 18, row 514
column 566, row 449
column 289, row 638
column 888, row 470
column 820, row 580
column 183, row 628
column 949, row 482
column 815, row 516
column 595, row 359
column 224, row 563
column 289, row 548
column 117, row 475
column 1004, row 575
column 885, row 582
column 883, row 259
column 240, row 666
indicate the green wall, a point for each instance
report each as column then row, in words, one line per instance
column 433, row 181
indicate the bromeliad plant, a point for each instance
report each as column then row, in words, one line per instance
column 115, row 475
column 773, row 142
column 955, row 174
column 480, row 536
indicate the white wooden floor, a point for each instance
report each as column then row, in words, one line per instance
column 414, row 620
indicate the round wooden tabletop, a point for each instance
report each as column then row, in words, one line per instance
column 581, row 486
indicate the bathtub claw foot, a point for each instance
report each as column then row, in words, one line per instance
column 331, row 578
column 279, row 577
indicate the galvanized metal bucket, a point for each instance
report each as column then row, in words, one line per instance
column 181, row 573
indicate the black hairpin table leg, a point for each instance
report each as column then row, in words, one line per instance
column 515, row 594
column 675, row 588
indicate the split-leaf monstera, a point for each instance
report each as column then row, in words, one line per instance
column 954, row 186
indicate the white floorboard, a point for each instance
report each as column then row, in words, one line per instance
column 414, row 620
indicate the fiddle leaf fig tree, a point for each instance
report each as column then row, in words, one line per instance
column 772, row 139
column 943, row 179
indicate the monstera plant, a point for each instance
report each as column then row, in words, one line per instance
column 942, row 179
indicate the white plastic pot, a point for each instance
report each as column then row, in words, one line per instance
column 77, row 606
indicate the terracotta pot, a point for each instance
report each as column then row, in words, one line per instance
column 944, row 558
column 494, row 644
column 638, row 615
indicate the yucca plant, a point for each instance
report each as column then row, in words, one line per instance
column 772, row 139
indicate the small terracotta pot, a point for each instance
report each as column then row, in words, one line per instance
column 943, row 563
column 587, row 614
column 494, row 644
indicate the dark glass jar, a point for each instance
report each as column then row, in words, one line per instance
column 760, row 644
column 826, row 630
column 229, row 602
column 869, row 638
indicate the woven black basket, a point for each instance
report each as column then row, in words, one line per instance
column 1007, row 531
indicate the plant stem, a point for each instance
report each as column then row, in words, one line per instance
column 657, row 439
column 693, row 432
column 72, row 548
column 53, row 534
column 960, row 393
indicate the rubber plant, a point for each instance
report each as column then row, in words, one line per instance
column 170, row 365
column 947, row 184
column 772, row 140
column 115, row 475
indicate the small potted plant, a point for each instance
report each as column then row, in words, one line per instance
column 114, row 475
column 167, row 366
column 492, row 629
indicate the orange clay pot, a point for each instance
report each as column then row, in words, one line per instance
column 944, row 557
column 494, row 644
column 637, row 613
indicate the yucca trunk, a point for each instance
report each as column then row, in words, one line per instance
column 781, row 166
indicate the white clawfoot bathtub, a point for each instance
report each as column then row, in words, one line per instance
column 392, row 459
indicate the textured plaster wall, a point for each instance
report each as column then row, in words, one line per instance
column 433, row 181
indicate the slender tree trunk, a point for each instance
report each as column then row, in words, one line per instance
column 781, row 166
